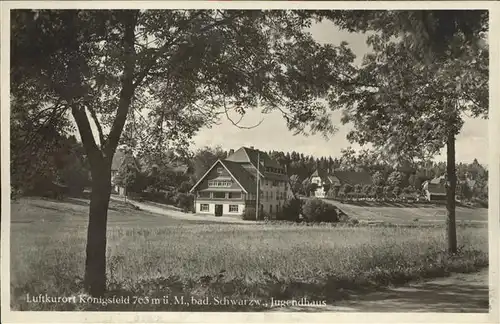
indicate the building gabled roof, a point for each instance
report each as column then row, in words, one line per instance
column 323, row 174
column 436, row 189
column 353, row 178
column 436, row 186
column 178, row 168
column 253, row 157
column 438, row 180
column 250, row 155
column 246, row 181
column 241, row 175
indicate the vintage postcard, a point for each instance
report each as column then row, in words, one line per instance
column 250, row 161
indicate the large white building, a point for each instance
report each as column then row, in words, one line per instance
column 230, row 185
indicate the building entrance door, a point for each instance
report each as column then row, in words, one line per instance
column 218, row 210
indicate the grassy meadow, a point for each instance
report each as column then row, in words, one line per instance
column 155, row 256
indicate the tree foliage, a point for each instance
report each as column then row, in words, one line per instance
column 431, row 32
column 165, row 73
column 204, row 158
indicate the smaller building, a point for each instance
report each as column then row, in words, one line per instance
column 337, row 179
column 435, row 189
column 116, row 164
column 121, row 157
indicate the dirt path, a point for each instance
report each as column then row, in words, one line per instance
column 459, row 293
column 157, row 209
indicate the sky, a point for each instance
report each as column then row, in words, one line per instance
column 273, row 134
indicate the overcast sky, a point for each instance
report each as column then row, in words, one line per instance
column 272, row 133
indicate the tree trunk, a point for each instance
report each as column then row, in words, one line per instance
column 95, row 264
column 450, row 192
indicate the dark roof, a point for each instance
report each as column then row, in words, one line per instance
column 323, row 174
column 438, row 180
column 264, row 158
column 275, row 176
column 245, row 178
column 178, row 168
column 436, row 189
column 353, row 177
column 245, row 154
column 252, row 156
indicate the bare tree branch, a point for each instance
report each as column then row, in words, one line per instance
column 236, row 123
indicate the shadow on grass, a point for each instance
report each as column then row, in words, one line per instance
column 218, row 294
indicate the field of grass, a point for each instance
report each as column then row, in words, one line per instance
column 155, row 256
column 397, row 213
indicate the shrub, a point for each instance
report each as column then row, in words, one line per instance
column 316, row 210
column 291, row 210
column 185, row 186
column 249, row 213
column 185, row 202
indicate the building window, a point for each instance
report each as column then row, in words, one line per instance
column 204, row 207
column 220, row 183
column 233, row 208
column 204, row 194
column 271, row 195
column 235, row 195
column 219, row 195
column 270, row 209
column 219, row 170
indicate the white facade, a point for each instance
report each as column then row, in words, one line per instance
column 320, row 191
column 317, row 180
column 228, row 209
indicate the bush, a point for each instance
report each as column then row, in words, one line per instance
column 185, row 202
column 249, row 214
column 291, row 210
column 316, row 210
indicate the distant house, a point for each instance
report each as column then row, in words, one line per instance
column 178, row 168
column 121, row 156
column 337, row 179
column 230, row 185
column 435, row 189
